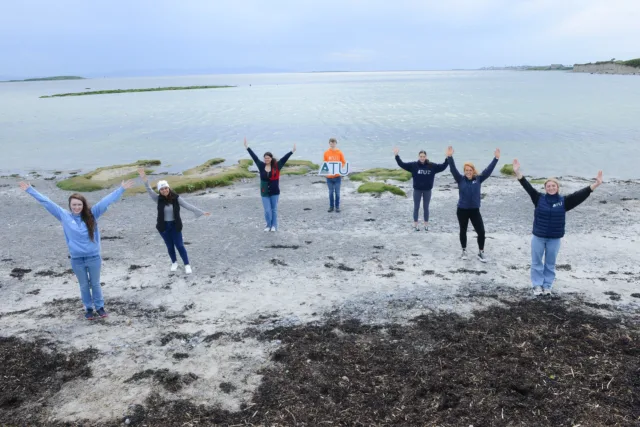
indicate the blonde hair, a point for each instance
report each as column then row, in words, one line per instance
column 475, row 171
column 552, row 180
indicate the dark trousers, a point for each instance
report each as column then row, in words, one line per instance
column 464, row 215
column 173, row 239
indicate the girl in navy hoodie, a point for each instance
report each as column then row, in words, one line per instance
column 424, row 173
column 548, row 226
column 269, row 183
column 80, row 226
column 469, row 186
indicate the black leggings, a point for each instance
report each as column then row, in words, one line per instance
column 464, row 215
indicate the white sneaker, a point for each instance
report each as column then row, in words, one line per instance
column 273, row 229
column 547, row 291
column 537, row 290
column 481, row 256
column 267, row 229
column 174, row 266
column 417, row 227
column 187, row 269
column 464, row 254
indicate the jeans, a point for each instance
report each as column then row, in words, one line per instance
column 464, row 215
column 334, row 189
column 426, row 199
column 270, row 205
column 543, row 274
column 87, row 270
column 173, row 239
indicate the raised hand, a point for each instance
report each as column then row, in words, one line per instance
column 246, row 144
column 497, row 153
column 142, row 174
column 294, row 148
column 516, row 165
column 24, row 185
column 127, row 184
column 598, row 181
column 449, row 151
column 396, row 150
column 207, row 213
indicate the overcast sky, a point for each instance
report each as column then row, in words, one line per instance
column 133, row 37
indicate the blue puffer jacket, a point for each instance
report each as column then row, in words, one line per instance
column 469, row 189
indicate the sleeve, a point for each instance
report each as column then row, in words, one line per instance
column 283, row 160
column 152, row 193
column 403, row 165
column 53, row 208
column 190, row 207
column 256, row 160
column 488, row 171
column 101, row 207
column 442, row 166
column 454, row 170
column 535, row 195
column 574, row 199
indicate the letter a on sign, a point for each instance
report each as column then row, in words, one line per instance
column 334, row 168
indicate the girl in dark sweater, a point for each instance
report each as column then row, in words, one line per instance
column 548, row 226
column 269, row 183
column 169, row 222
column 424, row 173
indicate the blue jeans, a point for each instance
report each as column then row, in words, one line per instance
column 270, row 205
column 87, row 270
column 543, row 273
column 334, row 190
column 173, row 239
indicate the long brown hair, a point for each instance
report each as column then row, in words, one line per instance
column 275, row 173
column 86, row 214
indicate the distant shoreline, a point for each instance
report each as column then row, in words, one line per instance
column 46, row 79
column 157, row 89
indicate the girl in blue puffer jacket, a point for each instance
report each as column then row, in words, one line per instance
column 548, row 226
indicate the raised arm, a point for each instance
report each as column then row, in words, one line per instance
column 574, row 199
column 101, row 207
column 189, row 206
column 489, row 170
column 145, row 180
column 535, row 195
column 403, row 165
column 440, row 167
column 284, row 159
column 452, row 165
column 50, row 206
column 259, row 163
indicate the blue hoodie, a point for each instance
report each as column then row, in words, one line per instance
column 75, row 230
column 423, row 174
column 469, row 189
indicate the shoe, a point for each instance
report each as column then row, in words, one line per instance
column 464, row 254
column 426, row 228
column 174, row 266
column 337, row 210
column 537, row 291
column 102, row 313
column 417, row 227
column 273, row 229
column 89, row 314
column 267, row 229
column 481, row 256
column 187, row 269
column 546, row 291
column 330, row 210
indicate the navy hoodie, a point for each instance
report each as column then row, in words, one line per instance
column 423, row 173
column 271, row 178
column 469, row 189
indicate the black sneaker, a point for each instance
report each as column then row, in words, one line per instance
column 337, row 210
column 330, row 210
column 101, row 312
column 89, row 314
column 481, row 256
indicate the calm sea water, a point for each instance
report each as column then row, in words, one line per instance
column 556, row 123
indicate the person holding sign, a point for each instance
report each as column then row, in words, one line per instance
column 269, row 183
column 334, row 181
column 549, row 219
column 424, row 173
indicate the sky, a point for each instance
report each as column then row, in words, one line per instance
column 155, row 37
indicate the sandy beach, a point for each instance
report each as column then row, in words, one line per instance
column 208, row 338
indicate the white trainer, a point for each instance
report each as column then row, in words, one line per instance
column 174, row 266
column 464, row 254
column 187, row 269
column 547, row 291
column 267, row 229
column 273, row 229
column 537, row 290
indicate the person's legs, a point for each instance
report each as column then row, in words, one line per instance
column 167, row 236
column 478, row 225
column 463, row 220
column 93, row 265
column 179, row 244
column 417, row 194
column 338, row 182
column 331, row 184
column 426, row 199
column 80, row 269
column 274, row 211
column 266, row 204
column 550, row 256
column 537, row 268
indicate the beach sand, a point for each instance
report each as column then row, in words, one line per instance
column 365, row 263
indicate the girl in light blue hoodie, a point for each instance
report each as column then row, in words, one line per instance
column 83, row 239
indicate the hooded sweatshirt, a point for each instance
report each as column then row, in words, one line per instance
column 424, row 174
